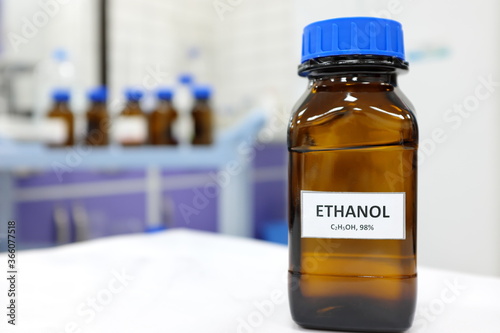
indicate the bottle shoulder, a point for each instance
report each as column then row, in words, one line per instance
column 201, row 108
column 162, row 114
column 164, row 110
column 345, row 116
column 132, row 112
column 97, row 111
column 59, row 111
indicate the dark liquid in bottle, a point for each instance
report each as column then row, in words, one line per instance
column 161, row 122
column 97, row 125
column 61, row 111
column 353, row 133
column 203, row 123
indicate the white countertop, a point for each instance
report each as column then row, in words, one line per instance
column 186, row 281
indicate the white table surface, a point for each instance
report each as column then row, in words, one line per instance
column 185, row 281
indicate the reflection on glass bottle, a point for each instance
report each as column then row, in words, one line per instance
column 97, row 118
column 60, row 119
column 161, row 120
column 202, row 116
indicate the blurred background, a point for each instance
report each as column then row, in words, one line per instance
column 245, row 56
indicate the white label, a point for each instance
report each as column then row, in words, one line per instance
column 353, row 215
column 130, row 129
column 54, row 131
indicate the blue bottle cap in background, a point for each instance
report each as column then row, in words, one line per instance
column 202, row 92
column 185, row 78
column 133, row 94
column 165, row 93
column 60, row 54
column 353, row 36
column 98, row 94
column 60, row 95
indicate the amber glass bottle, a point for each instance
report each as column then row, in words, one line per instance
column 202, row 116
column 131, row 125
column 162, row 119
column 352, row 143
column 97, row 118
column 62, row 115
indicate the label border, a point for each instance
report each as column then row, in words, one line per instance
column 309, row 191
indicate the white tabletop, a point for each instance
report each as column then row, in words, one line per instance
column 185, row 281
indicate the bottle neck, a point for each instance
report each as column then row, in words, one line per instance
column 202, row 101
column 388, row 78
column 62, row 105
column 352, row 63
column 165, row 102
column 133, row 104
column 165, row 106
column 98, row 105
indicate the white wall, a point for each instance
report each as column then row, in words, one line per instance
column 32, row 29
column 150, row 41
column 255, row 53
column 247, row 49
column 459, row 180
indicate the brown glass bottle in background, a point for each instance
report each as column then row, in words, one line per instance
column 162, row 119
column 61, row 115
column 130, row 127
column 97, row 119
column 202, row 116
column 353, row 142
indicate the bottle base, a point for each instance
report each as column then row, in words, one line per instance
column 355, row 312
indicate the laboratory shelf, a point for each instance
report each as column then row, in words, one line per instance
column 22, row 156
column 230, row 151
column 15, row 155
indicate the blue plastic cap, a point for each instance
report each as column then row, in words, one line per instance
column 202, row 92
column 60, row 54
column 60, row 95
column 353, row 35
column 165, row 93
column 99, row 94
column 185, row 78
column 133, row 94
